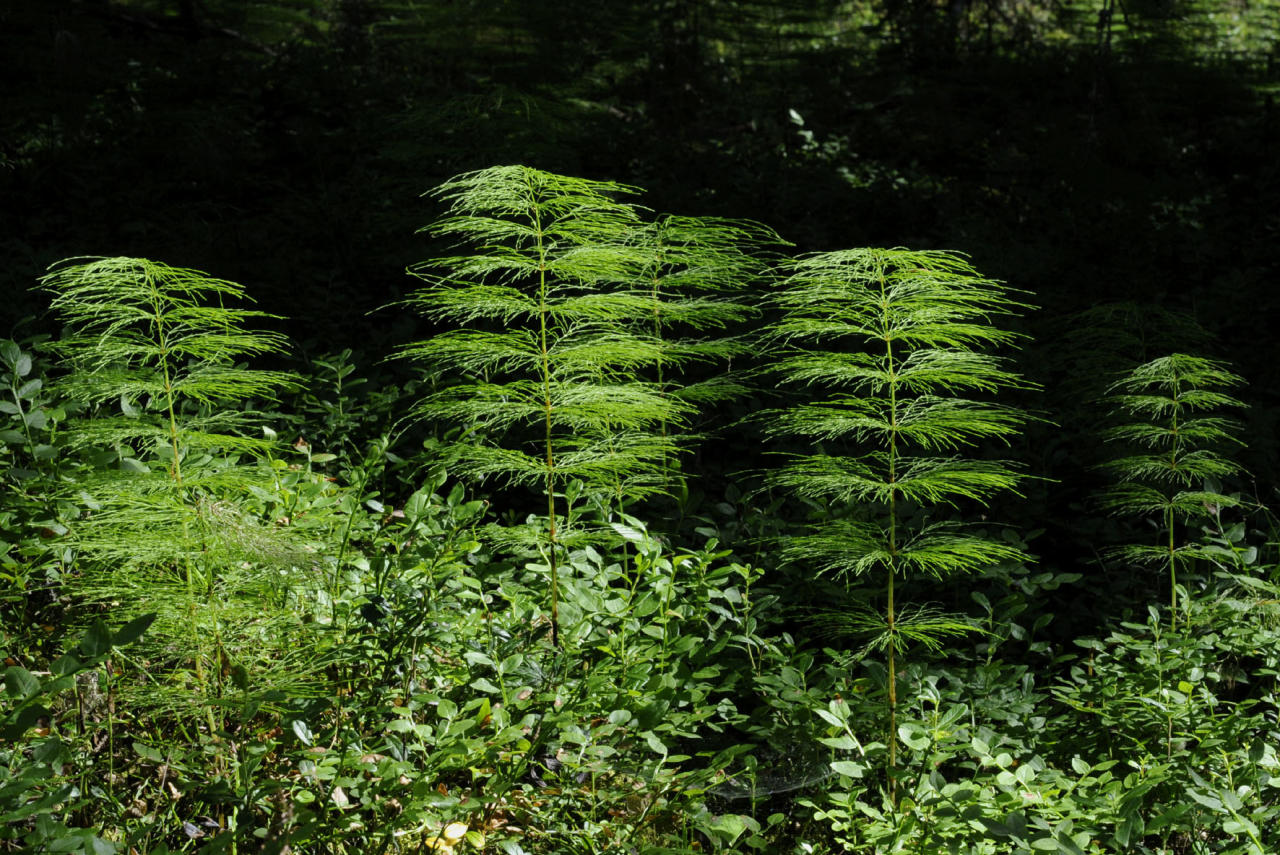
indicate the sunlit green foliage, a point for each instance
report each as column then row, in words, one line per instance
column 1177, row 464
column 152, row 353
column 889, row 342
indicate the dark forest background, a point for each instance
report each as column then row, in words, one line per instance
column 1091, row 152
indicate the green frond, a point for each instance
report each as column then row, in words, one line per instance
column 710, row 391
column 697, row 313
column 922, row 372
column 1201, row 430
column 605, row 353
column 852, row 622
column 929, row 626
column 1176, row 371
column 1162, row 406
column 831, row 478
column 214, row 383
column 466, row 302
column 1155, row 555
column 807, row 321
column 485, row 406
column 83, row 285
column 1201, row 502
column 840, row 548
column 844, row 548
column 1129, row 498
column 1146, row 500
column 477, row 351
column 945, row 550
column 630, row 459
column 603, row 307
column 679, row 352
column 928, row 422
column 945, row 424
column 1172, row 469
column 521, row 190
column 921, row 624
column 579, row 404
column 847, row 417
column 530, row 537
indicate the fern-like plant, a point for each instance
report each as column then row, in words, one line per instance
column 1176, row 439
column 890, row 341
column 695, row 271
column 151, row 352
column 544, row 370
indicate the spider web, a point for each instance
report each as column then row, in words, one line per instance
column 781, row 767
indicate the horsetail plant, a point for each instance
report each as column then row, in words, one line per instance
column 1173, row 472
column 695, row 271
column 893, row 338
column 549, row 352
column 152, row 366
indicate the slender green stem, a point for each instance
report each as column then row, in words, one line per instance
column 164, row 356
column 550, row 478
column 890, row 612
column 656, row 294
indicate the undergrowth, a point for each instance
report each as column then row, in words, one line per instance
column 495, row 602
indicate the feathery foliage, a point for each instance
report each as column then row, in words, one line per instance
column 891, row 342
column 1175, row 462
column 152, row 364
column 576, row 318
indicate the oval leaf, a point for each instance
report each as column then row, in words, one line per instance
column 133, row 630
column 96, row 640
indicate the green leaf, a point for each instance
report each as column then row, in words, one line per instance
column 1130, row 829
column 96, row 641
column 418, row 504
column 147, row 752
column 1240, row 825
column 20, row 683
column 133, row 630
column 1167, row 817
column 130, row 464
column 25, row 718
column 98, row 846
column 10, row 353
column 66, row 664
column 628, row 533
column 849, row 768
column 482, row 684
column 1213, row 803
column 728, row 827
column 914, row 737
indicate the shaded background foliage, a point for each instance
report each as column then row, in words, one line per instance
column 1083, row 150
